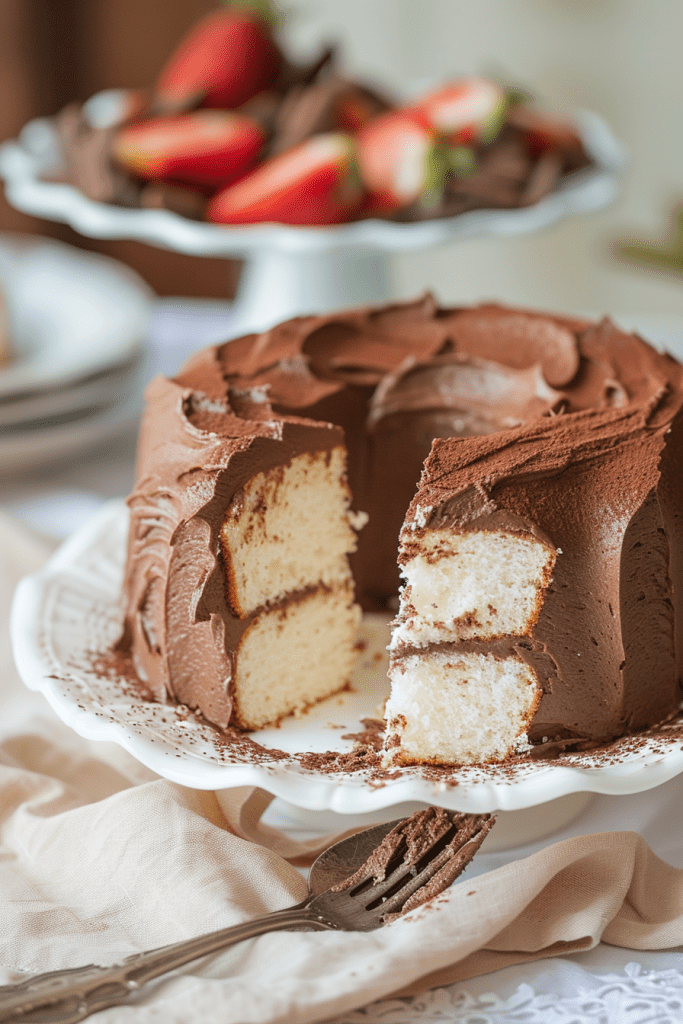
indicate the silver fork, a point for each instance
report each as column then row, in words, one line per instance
column 359, row 902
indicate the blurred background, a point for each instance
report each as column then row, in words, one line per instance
column 620, row 58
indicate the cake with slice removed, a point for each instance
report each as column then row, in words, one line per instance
column 542, row 557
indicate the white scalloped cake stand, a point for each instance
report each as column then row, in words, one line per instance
column 290, row 271
column 67, row 615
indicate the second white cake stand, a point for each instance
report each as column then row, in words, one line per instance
column 291, row 271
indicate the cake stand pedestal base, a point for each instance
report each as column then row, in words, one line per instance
column 276, row 285
column 513, row 828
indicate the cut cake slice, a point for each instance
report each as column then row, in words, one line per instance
column 285, row 540
column 456, row 696
column 238, row 586
column 537, row 607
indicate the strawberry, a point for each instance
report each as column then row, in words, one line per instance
column 470, row 110
column 402, row 161
column 394, row 152
column 227, row 58
column 313, row 183
column 207, row 147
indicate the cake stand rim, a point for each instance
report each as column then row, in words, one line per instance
column 155, row 745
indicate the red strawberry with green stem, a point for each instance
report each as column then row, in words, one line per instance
column 315, row 182
column 206, row 147
column 402, row 161
column 470, row 110
column 227, row 58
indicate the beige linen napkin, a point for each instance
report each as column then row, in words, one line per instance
column 99, row 858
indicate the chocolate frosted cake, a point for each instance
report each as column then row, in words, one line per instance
column 542, row 555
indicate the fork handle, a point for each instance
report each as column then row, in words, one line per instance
column 67, row 996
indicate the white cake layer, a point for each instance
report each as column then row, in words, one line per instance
column 475, row 585
column 292, row 656
column 455, row 708
column 288, row 529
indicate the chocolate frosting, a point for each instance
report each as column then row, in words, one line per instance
column 555, row 426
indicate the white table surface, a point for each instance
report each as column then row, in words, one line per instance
column 595, row 986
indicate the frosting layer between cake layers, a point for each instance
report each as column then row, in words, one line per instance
column 546, row 530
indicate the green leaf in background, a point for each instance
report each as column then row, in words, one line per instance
column 666, row 255
column 440, row 162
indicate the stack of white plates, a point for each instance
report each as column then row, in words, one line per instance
column 77, row 323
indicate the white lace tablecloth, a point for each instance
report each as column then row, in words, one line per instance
column 606, row 985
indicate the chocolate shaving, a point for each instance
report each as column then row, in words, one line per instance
column 372, row 735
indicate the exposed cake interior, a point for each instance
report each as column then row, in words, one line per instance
column 292, row 656
column 454, row 700
column 288, row 529
column 458, row 708
column 476, row 584
column 285, row 540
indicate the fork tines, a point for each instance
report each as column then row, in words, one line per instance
column 418, row 859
